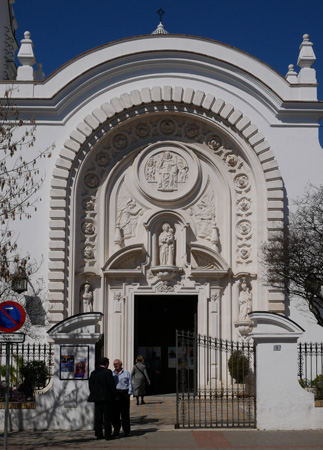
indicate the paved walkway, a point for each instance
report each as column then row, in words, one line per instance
column 152, row 428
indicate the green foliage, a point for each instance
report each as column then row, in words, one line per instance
column 293, row 258
column 35, row 375
column 238, row 366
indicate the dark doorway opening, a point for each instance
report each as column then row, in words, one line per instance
column 157, row 317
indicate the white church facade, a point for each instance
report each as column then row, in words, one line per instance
column 174, row 158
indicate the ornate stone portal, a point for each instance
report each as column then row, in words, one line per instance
column 171, row 209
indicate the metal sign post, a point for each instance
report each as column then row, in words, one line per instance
column 6, row 412
column 12, row 317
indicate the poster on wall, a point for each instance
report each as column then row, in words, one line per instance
column 186, row 357
column 74, row 362
column 67, row 363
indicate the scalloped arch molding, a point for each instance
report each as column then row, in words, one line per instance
column 92, row 122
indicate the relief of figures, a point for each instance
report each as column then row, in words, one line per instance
column 204, row 212
column 128, row 217
column 166, row 246
column 167, row 170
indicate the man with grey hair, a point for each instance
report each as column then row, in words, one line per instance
column 121, row 414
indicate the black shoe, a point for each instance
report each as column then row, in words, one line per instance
column 115, row 435
column 99, row 437
column 143, row 403
column 110, row 438
column 126, row 434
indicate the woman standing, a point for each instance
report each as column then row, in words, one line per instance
column 139, row 376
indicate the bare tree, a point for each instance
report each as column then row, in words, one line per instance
column 293, row 258
column 20, row 179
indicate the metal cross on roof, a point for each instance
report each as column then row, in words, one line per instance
column 160, row 12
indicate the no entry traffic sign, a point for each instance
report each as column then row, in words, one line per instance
column 12, row 316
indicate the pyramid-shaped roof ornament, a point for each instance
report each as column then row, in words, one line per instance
column 160, row 29
column 306, row 59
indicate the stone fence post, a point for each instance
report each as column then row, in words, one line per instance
column 282, row 404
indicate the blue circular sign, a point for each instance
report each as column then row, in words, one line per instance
column 12, row 316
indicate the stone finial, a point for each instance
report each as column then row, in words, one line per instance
column 291, row 75
column 27, row 58
column 39, row 74
column 305, row 60
column 160, row 29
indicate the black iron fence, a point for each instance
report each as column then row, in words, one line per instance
column 215, row 382
column 30, row 369
column 310, row 368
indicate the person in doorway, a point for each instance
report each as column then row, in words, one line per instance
column 121, row 413
column 155, row 367
column 103, row 393
column 139, row 378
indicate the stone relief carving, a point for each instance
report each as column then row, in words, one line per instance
column 204, row 263
column 142, row 130
column 87, row 298
column 191, row 131
column 167, row 169
column 103, row 159
column 244, row 204
column 88, row 228
column 91, row 180
column 166, row 242
column 174, row 175
column 117, row 300
column 214, row 143
column 241, row 181
column 127, row 216
column 245, row 300
column 120, row 141
column 204, row 217
column 244, row 252
column 244, row 228
column 167, row 126
column 165, row 287
column 88, row 252
column 88, row 204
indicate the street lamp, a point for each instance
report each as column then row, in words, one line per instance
column 19, row 282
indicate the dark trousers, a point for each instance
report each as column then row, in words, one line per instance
column 121, row 413
column 103, row 415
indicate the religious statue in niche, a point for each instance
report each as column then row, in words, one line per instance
column 245, row 300
column 128, row 217
column 167, row 169
column 166, row 246
column 87, row 298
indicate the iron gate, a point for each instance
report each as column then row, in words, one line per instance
column 215, row 382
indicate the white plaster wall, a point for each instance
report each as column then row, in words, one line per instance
column 296, row 147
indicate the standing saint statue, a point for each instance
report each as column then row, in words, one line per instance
column 166, row 246
column 245, row 300
column 87, row 298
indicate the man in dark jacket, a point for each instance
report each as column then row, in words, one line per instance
column 103, row 393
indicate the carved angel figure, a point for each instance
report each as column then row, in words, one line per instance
column 128, row 216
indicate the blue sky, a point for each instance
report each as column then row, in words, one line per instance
column 271, row 31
